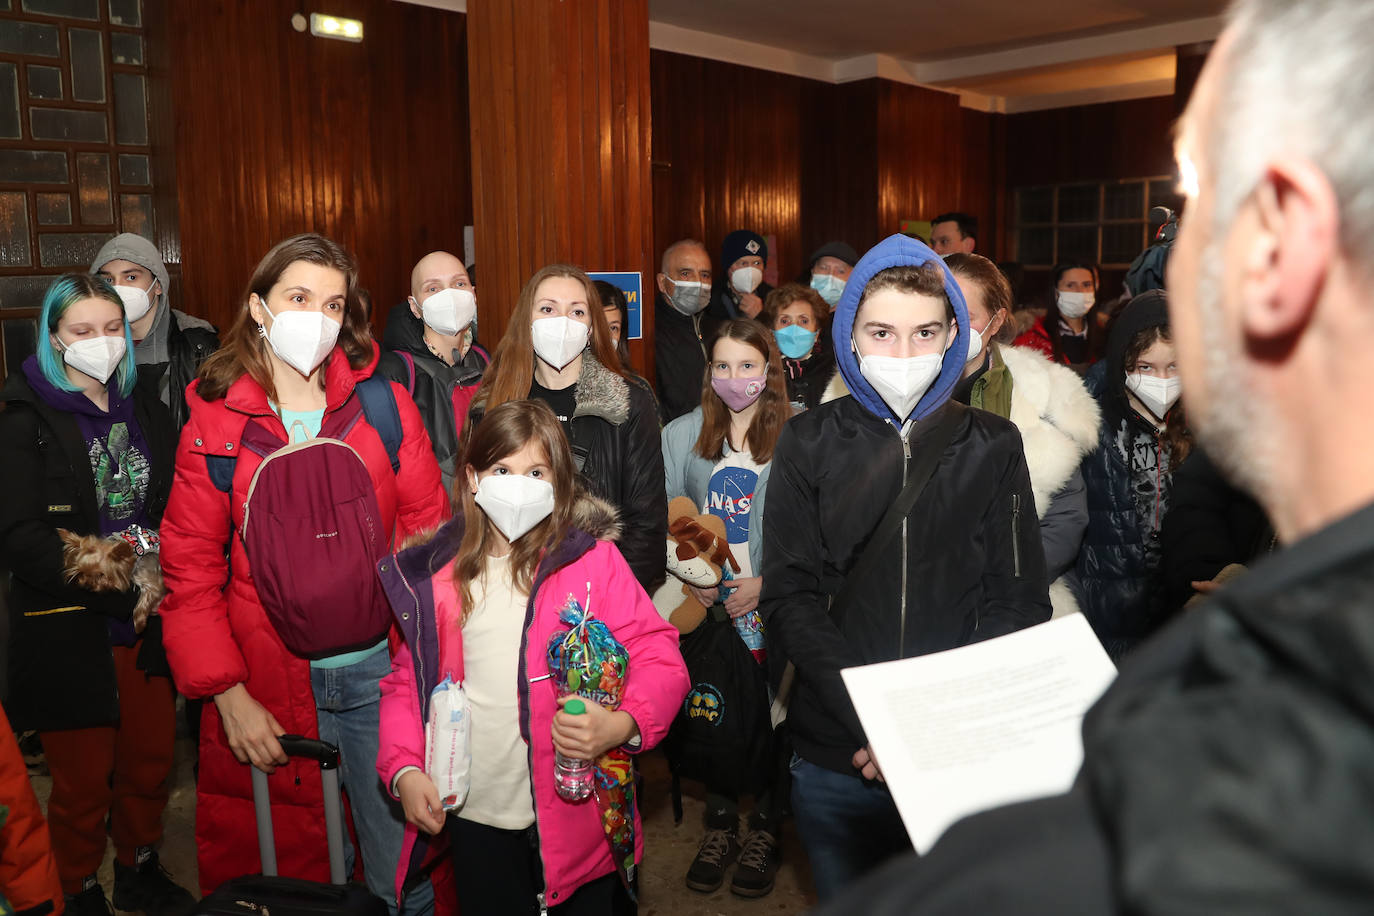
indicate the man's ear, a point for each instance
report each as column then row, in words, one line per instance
column 661, row 281
column 414, row 307
column 1294, row 229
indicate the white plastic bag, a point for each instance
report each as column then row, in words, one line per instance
column 448, row 743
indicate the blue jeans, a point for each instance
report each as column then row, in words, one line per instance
column 348, row 707
column 848, row 826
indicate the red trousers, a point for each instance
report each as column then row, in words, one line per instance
column 121, row 772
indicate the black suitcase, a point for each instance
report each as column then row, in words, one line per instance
column 269, row 895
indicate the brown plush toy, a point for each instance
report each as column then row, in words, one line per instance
column 697, row 554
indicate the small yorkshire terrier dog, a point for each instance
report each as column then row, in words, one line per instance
column 113, row 564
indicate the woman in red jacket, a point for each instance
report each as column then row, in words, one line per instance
column 292, row 360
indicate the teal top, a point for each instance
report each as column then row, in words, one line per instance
column 300, row 426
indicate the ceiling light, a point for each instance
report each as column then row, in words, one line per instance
column 325, row 26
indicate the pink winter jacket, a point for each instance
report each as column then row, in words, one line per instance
column 573, row 845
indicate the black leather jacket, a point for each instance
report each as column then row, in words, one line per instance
column 188, row 347
column 966, row 566
column 432, row 387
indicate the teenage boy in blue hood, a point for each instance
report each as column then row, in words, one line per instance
column 963, row 563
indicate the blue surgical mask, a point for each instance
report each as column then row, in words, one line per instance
column 794, row 340
column 830, row 287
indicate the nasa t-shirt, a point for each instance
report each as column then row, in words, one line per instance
column 730, row 497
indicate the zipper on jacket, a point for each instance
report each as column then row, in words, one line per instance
column 906, row 463
column 1015, row 533
column 419, row 635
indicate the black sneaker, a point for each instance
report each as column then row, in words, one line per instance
column 148, row 887
column 757, row 866
column 90, row 902
column 718, row 849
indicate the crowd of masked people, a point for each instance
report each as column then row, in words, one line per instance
column 937, row 465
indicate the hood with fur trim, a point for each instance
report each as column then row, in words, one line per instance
column 896, row 251
column 591, row 514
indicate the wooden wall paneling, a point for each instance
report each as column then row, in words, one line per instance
column 732, row 135
column 932, row 157
column 560, row 141
column 839, row 164
column 1131, row 139
column 277, row 132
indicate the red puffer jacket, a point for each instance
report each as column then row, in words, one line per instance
column 28, row 871
column 217, row 634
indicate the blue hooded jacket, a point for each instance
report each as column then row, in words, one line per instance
column 896, row 251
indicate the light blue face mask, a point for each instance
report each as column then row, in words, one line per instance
column 830, row 287
column 794, row 340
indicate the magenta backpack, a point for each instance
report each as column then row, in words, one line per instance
column 313, row 532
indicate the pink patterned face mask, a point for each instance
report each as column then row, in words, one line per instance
column 738, row 393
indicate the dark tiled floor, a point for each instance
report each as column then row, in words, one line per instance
column 669, row 849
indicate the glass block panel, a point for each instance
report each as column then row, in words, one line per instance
column 136, row 214
column 1121, row 242
column 45, row 82
column 88, row 65
column 14, row 229
column 1035, row 247
column 126, row 48
column 33, row 165
column 93, row 186
column 1035, row 205
column 21, row 337
column 131, row 109
column 1123, row 201
column 133, row 169
column 126, row 12
column 1164, row 193
column 10, row 125
column 70, row 249
column 65, row 124
column 23, row 292
column 31, row 38
column 1076, row 242
column 54, row 209
column 1079, row 203
column 72, row 9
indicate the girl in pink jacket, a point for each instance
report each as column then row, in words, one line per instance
column 477, row 604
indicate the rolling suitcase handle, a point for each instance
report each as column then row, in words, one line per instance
column 328, row 757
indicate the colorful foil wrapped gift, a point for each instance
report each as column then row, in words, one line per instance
column 586, row 660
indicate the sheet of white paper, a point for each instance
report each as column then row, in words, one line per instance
column 980, row 726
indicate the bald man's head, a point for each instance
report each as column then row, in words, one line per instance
column 435, row 271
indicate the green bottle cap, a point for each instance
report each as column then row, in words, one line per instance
column 574, row 707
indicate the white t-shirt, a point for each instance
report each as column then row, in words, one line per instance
column 730, row 497
column 500, row 794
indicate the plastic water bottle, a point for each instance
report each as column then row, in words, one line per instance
column 572, row 777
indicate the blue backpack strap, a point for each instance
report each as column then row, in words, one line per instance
column 221, row 470
column 379, row 407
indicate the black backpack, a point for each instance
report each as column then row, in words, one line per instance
column 722, row 734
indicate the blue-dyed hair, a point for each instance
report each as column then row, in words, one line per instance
column 65, row 292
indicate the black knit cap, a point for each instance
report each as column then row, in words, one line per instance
column 1148, row 310
column 741, row 244
column 839, row 250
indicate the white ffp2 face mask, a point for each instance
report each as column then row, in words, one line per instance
column 975, row 344
column 558, row 340
column 301, row 339
column 1074, row 305
column 97, row 357
column 514, row 503
column 449, row 311
column 746, row 279
column 901, row 381
column 1157, row 394
column 137, row 302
